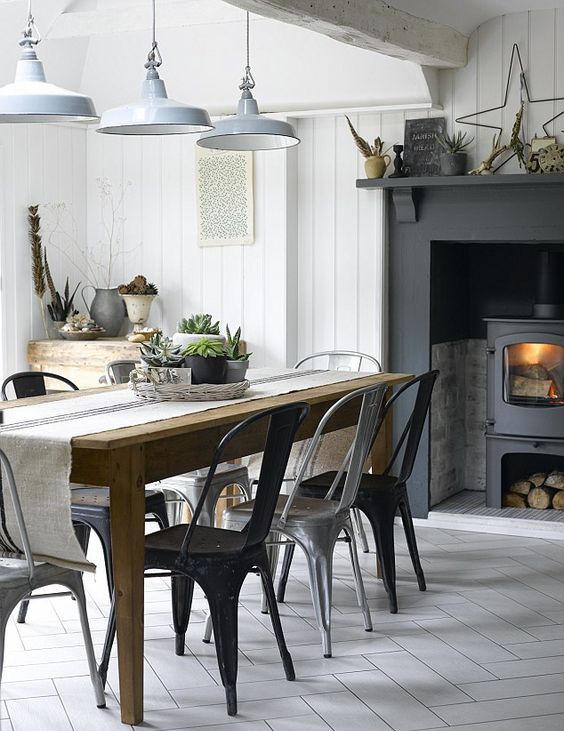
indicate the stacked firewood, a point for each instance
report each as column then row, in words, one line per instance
column 540, row 491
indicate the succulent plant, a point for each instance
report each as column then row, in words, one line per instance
column 231, row 347
column 206, row 348
column 198, row 325
column 454, row 144
column 160, row 352
column 138, row 285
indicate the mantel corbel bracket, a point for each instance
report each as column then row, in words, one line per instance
column 405, row 205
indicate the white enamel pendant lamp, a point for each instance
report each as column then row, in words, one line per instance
column 154, row 113
column 30, row 98
column 248, row 129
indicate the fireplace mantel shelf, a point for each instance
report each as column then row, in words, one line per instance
column 402, row 189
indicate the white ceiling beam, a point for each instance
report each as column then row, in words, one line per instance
column 370, row 24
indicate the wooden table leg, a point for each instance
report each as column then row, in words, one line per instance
column 382, row 452
column 127, row 495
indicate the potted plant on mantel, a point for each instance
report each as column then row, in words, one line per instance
column 237, row 362
column 164, row 361
column 207, row 361
column 194, row 328
column 453, row 157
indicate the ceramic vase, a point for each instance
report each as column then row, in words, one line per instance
column 236, row 371
column 107, row 309
column 376, row 165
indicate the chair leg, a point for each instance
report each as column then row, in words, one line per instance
column 223, row 609
column 318, row 547
column 77, row 589
column 182, row 593
column 407, row 521
column 22, row 611
column 272, row 552
column 383, row 530
column 268, row 589
column 358, row 582
column 356, row 518
column 108, row 642
column 286, row 564
column 208, row 629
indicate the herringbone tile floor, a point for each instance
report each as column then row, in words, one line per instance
column 482, row 649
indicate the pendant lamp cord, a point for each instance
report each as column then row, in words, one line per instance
column 248, row 82
column 31, row 34
column 154, row 58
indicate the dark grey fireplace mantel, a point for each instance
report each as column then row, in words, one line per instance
column 520, row 209
column 405, row 191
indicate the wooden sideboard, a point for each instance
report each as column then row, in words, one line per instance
column 81, row 361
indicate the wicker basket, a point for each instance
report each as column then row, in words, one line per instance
column 149, row 391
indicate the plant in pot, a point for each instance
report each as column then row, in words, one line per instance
column 138, row 296
column 163, row 361
column 192, row 329
column 237, row 362
column 376, row 160
column 453, row 158
column 207, row 361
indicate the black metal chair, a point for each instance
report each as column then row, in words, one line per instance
column 219, row 560
column 90, row 506
column 381, row 496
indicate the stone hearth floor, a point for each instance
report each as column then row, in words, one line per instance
column 481, row 650
column 474, row 503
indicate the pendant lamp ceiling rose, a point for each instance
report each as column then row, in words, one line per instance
column 248, row 129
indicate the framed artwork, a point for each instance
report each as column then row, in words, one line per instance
column 421, row 149
column 224, row 197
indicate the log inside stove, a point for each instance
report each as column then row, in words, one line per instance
column 540, row 490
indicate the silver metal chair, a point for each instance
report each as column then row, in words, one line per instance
column 18, row 577
column 315, row 524
column 187, row 489
column 117, row 371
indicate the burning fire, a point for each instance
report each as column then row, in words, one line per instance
column 541, row 362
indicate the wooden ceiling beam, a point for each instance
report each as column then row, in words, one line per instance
column 371, row 24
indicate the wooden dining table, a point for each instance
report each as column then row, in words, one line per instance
column 126, row 459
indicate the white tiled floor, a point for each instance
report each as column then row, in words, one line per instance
column 482, row 649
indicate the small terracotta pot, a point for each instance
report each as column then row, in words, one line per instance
column 376, row 165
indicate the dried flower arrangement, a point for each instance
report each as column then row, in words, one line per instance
column 138, row 285
column 366, row 150
column 60, row 307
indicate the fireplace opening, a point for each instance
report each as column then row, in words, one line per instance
column 534, row 374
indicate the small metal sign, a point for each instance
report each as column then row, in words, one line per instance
column 422, row 151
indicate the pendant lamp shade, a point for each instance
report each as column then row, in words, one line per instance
column 248, row 130
column 32, row 99
column 154, row 114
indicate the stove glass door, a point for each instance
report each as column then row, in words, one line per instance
column 533, row 374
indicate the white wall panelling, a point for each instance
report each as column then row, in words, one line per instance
column 41, row 164
column 238, row 284
column 482, row 83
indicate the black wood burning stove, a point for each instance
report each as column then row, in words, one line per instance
column 525, row 386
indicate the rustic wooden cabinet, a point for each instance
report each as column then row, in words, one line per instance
column 81, row 361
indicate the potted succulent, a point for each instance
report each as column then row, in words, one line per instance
column 164, row 361
column 453, row 157
column 138, row 296
column 194, row 328
column 207, row 361
column 237, row 362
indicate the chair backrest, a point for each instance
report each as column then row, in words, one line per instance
column 342, row 360
column 117, row 371
column 32, row 383
column 6, row 540
column 282, row 423
column 369, row 419
column 408, row 443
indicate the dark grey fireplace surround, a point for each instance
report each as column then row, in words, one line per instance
column 461, row 250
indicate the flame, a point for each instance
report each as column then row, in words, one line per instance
column 547, row 355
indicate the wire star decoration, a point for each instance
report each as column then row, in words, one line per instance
column 525, row 96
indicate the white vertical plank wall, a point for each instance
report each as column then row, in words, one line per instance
column 243, row 285
column 40, row 164
column 481, row 84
